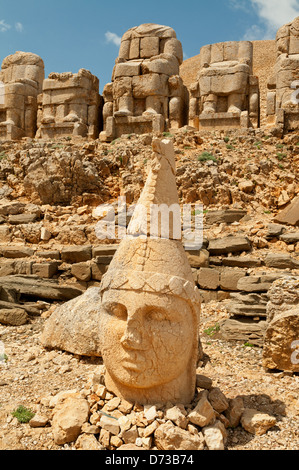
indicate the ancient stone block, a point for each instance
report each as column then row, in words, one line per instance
column 45, row 270
column 70, row 105
column 22, row 74
column 208, row 278
column 76, row 254
column 230, row 244
column 289, row 215
column 150, row 55
column 282, row 102
column 228, row 93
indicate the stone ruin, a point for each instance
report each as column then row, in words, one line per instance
column 146, row 93
column 150, row 306
column 225, row 94
column 21, row 76
column 69, row 105
column 282, row 98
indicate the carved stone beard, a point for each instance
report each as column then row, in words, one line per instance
column 147, row 346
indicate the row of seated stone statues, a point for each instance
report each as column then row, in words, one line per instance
column 146, row 93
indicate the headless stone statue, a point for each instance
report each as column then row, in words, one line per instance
column 150, row 305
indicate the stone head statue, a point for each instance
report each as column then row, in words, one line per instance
column 150, row 306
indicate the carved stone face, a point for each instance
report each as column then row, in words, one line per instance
column 147, row 338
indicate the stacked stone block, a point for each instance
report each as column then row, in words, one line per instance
column 225, row 94
column 70, row 105
column 283, row 93
column 146, row 93
column 21, row 77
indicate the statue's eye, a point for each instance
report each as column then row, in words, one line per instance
column 157, row 315
column 117, row 310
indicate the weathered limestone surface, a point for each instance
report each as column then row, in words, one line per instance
column 282, row 334
column 150, row 305
column 71, row 325
column 225, row 94
column 70, row 104
column 21, row 77
column 146, row 93
column 282, row 98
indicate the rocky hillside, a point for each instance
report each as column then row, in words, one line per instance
column 248, row 184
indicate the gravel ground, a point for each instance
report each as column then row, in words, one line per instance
column 31, row 373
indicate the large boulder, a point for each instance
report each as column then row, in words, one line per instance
column 73, row 326
column 281, row 341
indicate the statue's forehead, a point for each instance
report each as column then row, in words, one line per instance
column 132, row 297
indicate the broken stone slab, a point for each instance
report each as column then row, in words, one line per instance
column 11, row 208
column 257, row 283
column 19, row 219
column 244, row 330
column 170, row 437
column 49, row 254
column 203, row 414
column 76, row 254
column 33, row 286
column 255, row 422
column 242, row 262
column 240, row 309
column 81, row 271
column 44, row 270
column 249, row 299
column 247, row 305
column 30, row 308
column 280, row 349
column 215, row 436
column 289, row 215
column 281, row 261
column 227, row 216
column 13, row 316
column 68, row 419
column 17, row 251
column 72, row 326
column 290, row 237
column 230, row 244
column 208, row 278
column 213, row 295
column 104, row 250
column 275, row 230
column 9, row 267
column 283, row 296
column 199, row 260
column 229, row 279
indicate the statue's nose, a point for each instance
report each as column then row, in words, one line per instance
column 133, row 335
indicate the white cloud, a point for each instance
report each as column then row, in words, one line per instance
column 112, row 37
column 4, row 26
column 275, row 13
column 272, row 14
column 19, row 27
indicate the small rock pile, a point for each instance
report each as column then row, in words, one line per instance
column 95, row 419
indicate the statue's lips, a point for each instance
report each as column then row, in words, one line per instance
column 135, row 361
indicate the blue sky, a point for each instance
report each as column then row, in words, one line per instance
column 74, row 34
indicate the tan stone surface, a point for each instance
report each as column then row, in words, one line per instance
column 150, row 308
column 142, row 84
column 22, row 74
column 70, row 104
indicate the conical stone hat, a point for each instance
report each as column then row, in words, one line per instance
column 146, row 259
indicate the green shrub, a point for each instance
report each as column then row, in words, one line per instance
column 212, row 330
column 205, row 156
column 23, row 414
